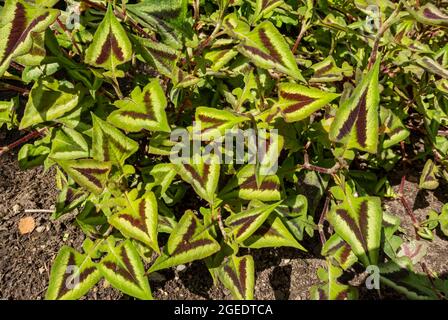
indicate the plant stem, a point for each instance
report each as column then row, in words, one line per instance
column 320, row 225
column 22, row 140
column 75, row 45
column 407, row 207
column 7, row 86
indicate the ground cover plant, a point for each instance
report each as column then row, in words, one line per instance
column 207, row 129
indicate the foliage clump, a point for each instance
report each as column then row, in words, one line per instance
column 346, row 92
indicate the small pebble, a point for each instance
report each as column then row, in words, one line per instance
column 16, row 208
column 40, row 229
column 181, row 267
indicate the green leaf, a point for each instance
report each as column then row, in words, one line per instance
column 356, row 121
column 358, row 222
column 72, row 275
column 340, row 251
column 244, row 186
column 19, row 21
column 124, row 270
column 266, row 48
column 332, row 289
column 202, row 174
column 88, row 173
column 110, row 144
column 110, row 46
column 428, row 179
column 238, row 275
column 214, row 122
column 328, row 71
column 161, row 56
column 245, row 223
column 143, row 110
column 297, row 102
column 139, row 219
column 189, row 241
column 69, row 144
column 429, row 14
column 272, row 234
column 49, row 100
column 163, row 174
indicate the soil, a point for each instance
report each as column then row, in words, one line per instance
column 283, row 273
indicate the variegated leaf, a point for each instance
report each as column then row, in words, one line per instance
column 265, row 47
column 68, row 199
column 356, row 121
column 8, row 112
column 433, row 67
column 244, row 186
column 163, row 174
column 428, row 178
column 430, row 14
column 143, row 110
column 238, row 275
column 273, row 233
column 219, row 58
column 161, row 56
column 88, row 173
column 202, row 174
column 393, row 128
column 328, row 71
column 332, row 289
column 110, row 144
column 358, row 222
column 138, row 219
column 214, row 122
column 124, row 270
column 297, row 102
column 72, row 275
column 245, row 223
column 263, row 7
column 189, row 241
column 69, row 144
column 337, row 249
column 49, row 100
column 19, row 20
column 110, row 46
column 166, row 17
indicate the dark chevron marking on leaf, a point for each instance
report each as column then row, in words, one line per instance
column 185, row 244
column 138, row 222
column 244, row 223
column 128, row 274
column 239, row 281
column 184, row 247
column 432, row 15
column 19, row 31
column 161, row 55
column 110, row 43
column 202, row 179
column 63, row 288
column 260, row 53
column 361, row 123
column 302, row 101
column 343, row 214
column 358, row 114
column 89, row 173
column 251, row 183
column 18, row 26
column 345, row 252
column 82, row 276
column 266, row 230
column 363, row 220
column 321, row 71
column 214, row 121
column 149, row 115
column 270, row 46
column 322, row 294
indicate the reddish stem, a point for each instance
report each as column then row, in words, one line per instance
column 22, row 140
